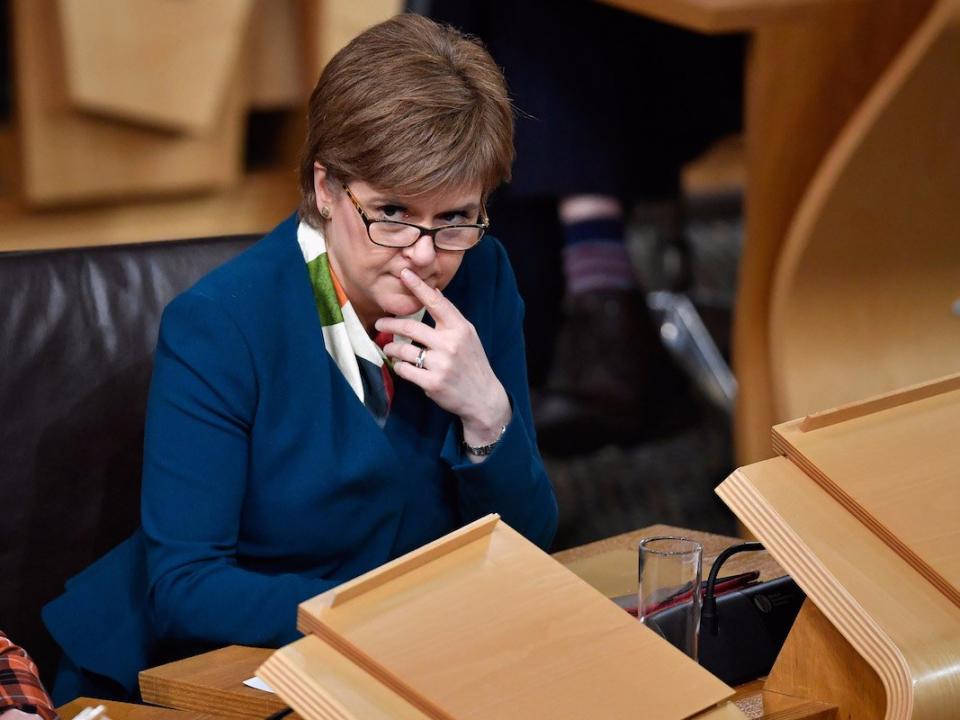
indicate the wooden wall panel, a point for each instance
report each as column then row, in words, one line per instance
column 169, row 65
column 70, row 157
column 863, row 294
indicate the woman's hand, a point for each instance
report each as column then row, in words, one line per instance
column 455, row 373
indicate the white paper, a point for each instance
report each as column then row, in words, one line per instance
column 258, row 684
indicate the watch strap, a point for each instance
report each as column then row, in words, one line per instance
column 483, row 450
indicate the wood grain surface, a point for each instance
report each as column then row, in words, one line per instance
column 584, row 558
column 903, row 627
column 717, row 16
column 260, row 201
column 839, row 672
column 68, row 156
column 168, row 65
column 212, row 682
column 897, row 470
column 188, row 684
column 498, row 629
column 805, row 78
column 129, row 711
column 320, row 682
column 863, row 294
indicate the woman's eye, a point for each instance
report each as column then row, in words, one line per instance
column 391, row 212
column 456, row 217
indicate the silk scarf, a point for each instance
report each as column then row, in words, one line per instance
column 361, row 360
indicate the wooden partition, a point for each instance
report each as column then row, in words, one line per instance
column 862, row 511
column 865, row 290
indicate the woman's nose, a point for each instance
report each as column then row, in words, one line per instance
column 422, row 252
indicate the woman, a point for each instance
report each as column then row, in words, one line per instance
column 283, row 453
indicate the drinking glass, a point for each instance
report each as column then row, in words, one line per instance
column 669, row 594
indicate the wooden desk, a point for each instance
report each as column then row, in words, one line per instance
column 610, row 565
column 129, row 711
column 213, row 682
column 809, row 65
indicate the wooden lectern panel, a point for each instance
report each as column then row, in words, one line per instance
column 319, row 682
column 69, row 156
column 276, row 67
column 484, row 624
column 902, row 626
column 164, row 64
column 894, row 463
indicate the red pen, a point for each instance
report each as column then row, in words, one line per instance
column 722, row 585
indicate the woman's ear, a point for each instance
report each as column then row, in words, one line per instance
column 320, row 187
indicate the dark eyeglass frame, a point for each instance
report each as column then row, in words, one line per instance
column 429, row 232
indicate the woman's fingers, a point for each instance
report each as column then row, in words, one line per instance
column 407, row 352
column 454, row 371
column 411, row 373
column 440, row 309
column 418, row 331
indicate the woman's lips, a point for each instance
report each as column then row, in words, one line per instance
column 429, row 280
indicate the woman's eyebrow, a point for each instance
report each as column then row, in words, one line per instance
column 467, row 209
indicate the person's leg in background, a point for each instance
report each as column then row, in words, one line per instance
column 608, row 355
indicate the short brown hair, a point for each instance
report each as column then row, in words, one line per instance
column 409, row 106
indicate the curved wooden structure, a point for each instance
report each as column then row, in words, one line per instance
column 805, row 78
column 906, row 631
column 863, row 514
column 863, row 298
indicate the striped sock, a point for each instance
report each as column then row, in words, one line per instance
column 595, row 257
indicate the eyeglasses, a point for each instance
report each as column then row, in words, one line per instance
column 399, row 234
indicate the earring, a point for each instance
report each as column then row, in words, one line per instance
column 325, row 212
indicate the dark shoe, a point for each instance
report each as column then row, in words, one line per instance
column 612, row 381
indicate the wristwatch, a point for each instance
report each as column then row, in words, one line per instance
column 483, row 450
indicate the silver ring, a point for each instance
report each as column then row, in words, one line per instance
column 420, row 357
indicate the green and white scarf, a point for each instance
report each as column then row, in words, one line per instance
column 360, row 359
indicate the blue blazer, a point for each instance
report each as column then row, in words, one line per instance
column 266, row 481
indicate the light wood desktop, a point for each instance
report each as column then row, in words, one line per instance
column 810, row 63
column 129, row 711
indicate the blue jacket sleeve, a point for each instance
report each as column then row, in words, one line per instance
column 512, row 480
column 202, row 404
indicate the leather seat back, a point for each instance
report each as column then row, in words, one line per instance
column 77, row 333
